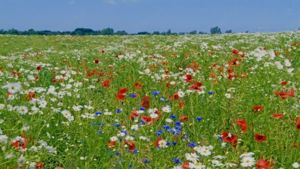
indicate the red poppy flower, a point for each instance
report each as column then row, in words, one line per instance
column 131, row 145
column 138, row 85
column 111, row 144
column 196, row 86
column 156, row 142
column 283, row 83
column 234, row 62
column 106, row 83
column 147, row 119
column 31, row 95
column 168, row 85
column 260, row 137
column 188, row 78
column 258, row 108
column 146, row 102
column 96, row 61
column 229, row 138
column 231, row 74
column 123, row 90
column 134, row 114
column 183, row 118
column 284, row 95
column 263, row 164
column 39, row 68
column 298, row 123
column 186, row 165
column 175, row 96
column 181, row 104
column 235, row 51
column 277, row 115
column 39, row 165
column 22, row 143
column 121, row 94
column 242, row 124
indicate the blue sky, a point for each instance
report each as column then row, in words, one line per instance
column 151, row 15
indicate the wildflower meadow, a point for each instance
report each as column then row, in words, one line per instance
column 150, row 102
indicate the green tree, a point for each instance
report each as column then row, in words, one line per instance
column 193, row 32
column 215, row 30
column 228, row 31
column 107, row 31
column 121, row 33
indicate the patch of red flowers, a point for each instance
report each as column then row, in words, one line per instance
column 39, row 68
column 285, row 94
column 298, row 123
column 242, row 123
column 283, row 83
column 96, row 61
column 31, row 95
column 106, row 83
column 188, row 78
column 175, row 96
column 263, row 164
column 121, row 94
column 196, row 86
column 260, row 137
column 21, row 143
column 39, row 165
column 229, row 138
column 277, row 115
column 231, row 74
column 186, row 165
column 138, row 85
column 183, row 118
column 146, row 102
column 147, row 119
column 258, row 108
column 156, row 142
column 131, row 145
column 134, row 114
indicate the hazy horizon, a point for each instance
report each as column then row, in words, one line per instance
column 155, row 15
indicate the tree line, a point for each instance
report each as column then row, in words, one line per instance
column 105, row 31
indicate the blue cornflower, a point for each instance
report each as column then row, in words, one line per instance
column 177, row 160
column 173, row 116
column 119, row 110
column 146, row 161
column 178, row 123
column 199, row 118
column 135, row 151
column 166, row 127
column 159, row 132
column 130, row 165
column 142, row 108
column 155, row 93
column 211, row 93
column 98, row 113
column 192, row 145
column 132, row 95
column 125, row 132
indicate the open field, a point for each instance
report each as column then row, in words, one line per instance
column 96, row 102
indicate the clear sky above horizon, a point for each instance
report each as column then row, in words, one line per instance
column 151, row 15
